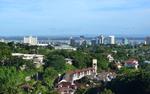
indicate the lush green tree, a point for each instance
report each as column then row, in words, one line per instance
column 43, row 50
column 39, row 88
column 5, row 52
column 133, row 83
column 10, row 78
column 56, row 61
column 107, row 91
column 69, row 67
column 80, row 91
column 81, row 59
column 49, row 75
column 145, row 67
column 102, row 63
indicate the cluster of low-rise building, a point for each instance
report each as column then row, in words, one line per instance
column 106, row 76
column 65, row 47
column 131, row 63
column 67, row 84
column 36, row 58
column 110, row 58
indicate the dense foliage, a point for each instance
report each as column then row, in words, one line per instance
column 132, row 83
column 13, row 79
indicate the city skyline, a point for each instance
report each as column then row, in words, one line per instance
column 79, row 17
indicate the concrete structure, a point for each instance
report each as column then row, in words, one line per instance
column 72, row 42
column 95, row 65
column 67, row 85
column 78, row 74
column 111, row 40
column 118, row 65
column 132, row 63
column 82, row 41
column 147, row 40
column 88, row 42
column 93, row 42
column 125, row 41
column 110, row 58
column 69, row 61
column 37, row 59
column 28, row 78
column 65, row 47
column 30, row 40
column 146, row 62
column 101, row 39
column 42, row 45
column 106, row 76
column 66, row 88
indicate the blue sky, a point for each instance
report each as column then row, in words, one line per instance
column 74, row 17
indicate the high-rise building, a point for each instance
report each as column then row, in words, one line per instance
column 111, row 40
column 125, row 41
column 72, row 42
column 147, row 40
column 101, row 39
column 93, row 42
column 82, row 41
column 31, row 40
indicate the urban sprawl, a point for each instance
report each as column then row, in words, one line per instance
column 75, row 65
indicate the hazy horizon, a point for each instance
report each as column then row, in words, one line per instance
column 74, row 17
column 75, row 35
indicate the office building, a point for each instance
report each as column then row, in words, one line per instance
column 111, row 40
column 36, row 58
column 72, row 42
column 65, row 47
column 101, row 39
column 82, row 40
column 31, row 40
column 147, row 40
column 125, row 41
column 93, row 42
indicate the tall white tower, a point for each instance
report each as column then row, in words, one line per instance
column 95, row 65
column 111, row 39
column 31, row 40
column 101, row 39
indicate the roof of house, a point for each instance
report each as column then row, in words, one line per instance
column 66, row 86
column 68, row 59
column 131, row 61
column 80, row 70
column 148, row 62
column 68, row 75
